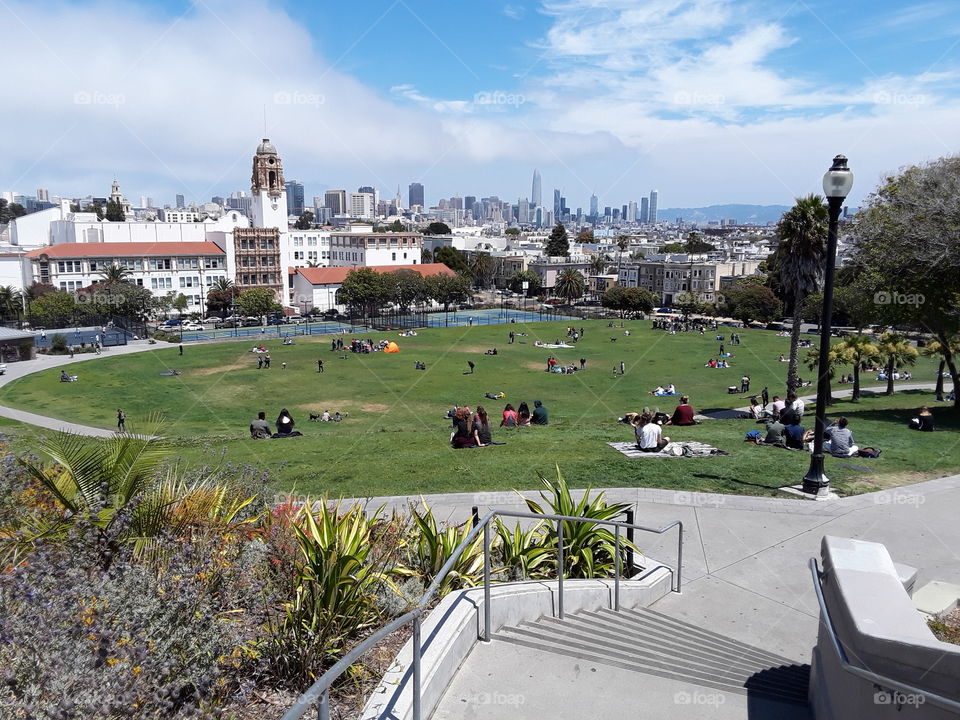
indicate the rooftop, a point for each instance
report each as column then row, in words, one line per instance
column 125, row 249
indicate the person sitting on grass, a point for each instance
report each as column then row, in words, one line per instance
column 523, row 415
column 649, row 436
column 463, row 436
column 775, row 433
column 683, row 413
column 509, row 416
column 839, row 442
column 539, row 416
column 260, row 428
column 754, row 412
column 481, row 429
column 793, row 432
column 285, row 425
column 923, row 421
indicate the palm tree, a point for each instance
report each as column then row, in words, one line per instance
column 570, row 285
column 895, row 352
column 114, row 273
column 834, row 358
column 222, row 285
column 859, row 351
column 598, row 263
column 933, row 348
column 480, row 269
column 623, row 242
column 11, row 301
column 802, row 231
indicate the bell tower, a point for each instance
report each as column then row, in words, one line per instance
column 269, row 203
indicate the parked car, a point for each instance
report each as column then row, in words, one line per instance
column 211, row 320
column 295, row 319
column 192, row 325
column 276, row 321
column 170, row 322
column 227, row 323
column 3, row 368
column 250, row 321
column 331, row 314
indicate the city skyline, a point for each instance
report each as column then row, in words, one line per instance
column 741, row 101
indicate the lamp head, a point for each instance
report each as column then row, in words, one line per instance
column 838, row 180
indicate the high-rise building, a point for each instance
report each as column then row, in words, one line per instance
column 295, row 197
column 623, row 212
column 556, row 203
column 535, row 196
column 631, row 212
column 469, row 201
column 456, row 203
column 361, row 205
column 644, row 210
column 336, row 200
column 415, row 194
column 653, row 207
column 43, row 195
column 181, row 203
column 594, row 206
column 523, row 210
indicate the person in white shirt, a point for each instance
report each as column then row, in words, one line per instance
column 671, row 389
column 650, row 437
column 798, row 406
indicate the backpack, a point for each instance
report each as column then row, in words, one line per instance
column 869, row 452
column 753, row 436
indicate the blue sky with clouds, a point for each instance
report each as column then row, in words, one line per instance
column 709, row 101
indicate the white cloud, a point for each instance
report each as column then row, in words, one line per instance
column 514, row 12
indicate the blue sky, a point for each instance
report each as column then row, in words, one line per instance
column 709, row 101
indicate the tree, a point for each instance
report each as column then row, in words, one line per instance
column 395, row 226
column 895, row 352
column 52, row 310
column 221, row 296
column 95, row 207
column 481, row 269
column 802, row 231
column 696, row 244
column 570, row 285
column 534, row 284
column 512, row 231
column 628, row 300
column 673, row 247
column 364, row 290
column 752, row 302
column 114, row 273
column 448, row 290
column 119, row 298
column 557, row 244
column 408, row 288
column 623, row 242
column 11, row 302
column 859, row 351
column 180, row 304
column 305, row 221
column 907, row 252
column 834, row 358
column 257, row 302
column 452, row 258
column 437, row 228
column 933, row 349
column 426, row 256
column 598, row 263
column 114, row 211
column 585, row 236
column 10, row 211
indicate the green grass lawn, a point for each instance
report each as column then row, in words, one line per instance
column 394, row 440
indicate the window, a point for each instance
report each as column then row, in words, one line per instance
column 312, row 255
column 393, row 256
column 298, row 242
column 312, row 241
column 160, row 263
column 213, row 263
column 298, row 254
column 161, row 283
column 189, row 282
column 191, row 263
column 68, row 266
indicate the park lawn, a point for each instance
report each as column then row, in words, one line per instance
column 394, row 440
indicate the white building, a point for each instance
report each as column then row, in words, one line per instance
column 361, row 205
column 361, row 246
column 168, row 215
column 190, row 268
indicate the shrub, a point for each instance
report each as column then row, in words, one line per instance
column 58, row 342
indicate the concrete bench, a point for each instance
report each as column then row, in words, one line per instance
column 881, row 631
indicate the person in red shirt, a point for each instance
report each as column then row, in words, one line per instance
column 683, row 415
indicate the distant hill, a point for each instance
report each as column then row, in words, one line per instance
column 759, row 214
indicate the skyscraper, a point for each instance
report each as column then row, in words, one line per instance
column 415, row 194
column 631, row 212
column 556, row 204
column 523, row 210
column 594, row 206
column 294, row 197
column 181, row 203
column 535, row 196
column 653, row 206
column 644, row 210
column 336, row 200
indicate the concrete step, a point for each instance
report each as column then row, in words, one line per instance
column 605, row 628
column 621, row 640
column 683, row 637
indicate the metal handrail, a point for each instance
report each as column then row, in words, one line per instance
column 882, row 681
column 319, row 693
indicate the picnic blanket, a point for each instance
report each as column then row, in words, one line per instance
column 689, row 448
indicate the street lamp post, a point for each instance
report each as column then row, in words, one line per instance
column 837, row 183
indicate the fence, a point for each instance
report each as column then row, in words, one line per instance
column 319, row 693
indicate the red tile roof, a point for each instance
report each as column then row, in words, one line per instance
column 335, row 275
column 126, row 249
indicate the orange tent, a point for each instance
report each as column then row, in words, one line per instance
column 392, row 347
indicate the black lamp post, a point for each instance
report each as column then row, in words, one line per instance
column 837, row 183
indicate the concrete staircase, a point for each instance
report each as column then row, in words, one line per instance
column 648, row 642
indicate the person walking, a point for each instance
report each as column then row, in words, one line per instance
column 472, row 366
column 121, row 421
column 260, row 362
column 623, row 368
column 583, row 362
column 319, row 366
column 181, row 350
column 266, row 361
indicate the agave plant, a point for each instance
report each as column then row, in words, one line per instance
column 522, row 552
column 589, row 548
column 433, row 545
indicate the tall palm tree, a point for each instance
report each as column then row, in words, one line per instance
column 933, row 348
column 623, row 242
column 859, row 351
column 480, row 269
column 114, row 273
column 834, row 358
column 598, row 263
column 11, row 302
column 570, row 285
column 222, row 285
column 802, row 231
column 895, row 352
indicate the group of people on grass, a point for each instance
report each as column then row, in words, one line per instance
column 472, row 429
column 522, row 417
column 260, row 428
column 648, row 424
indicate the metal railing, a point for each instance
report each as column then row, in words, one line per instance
column 318, row 695
column 881, row 681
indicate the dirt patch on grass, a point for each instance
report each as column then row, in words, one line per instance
column 375, row 407
column 221, row 368
column 536, row 365
column 474, row 349
column 342, row 406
